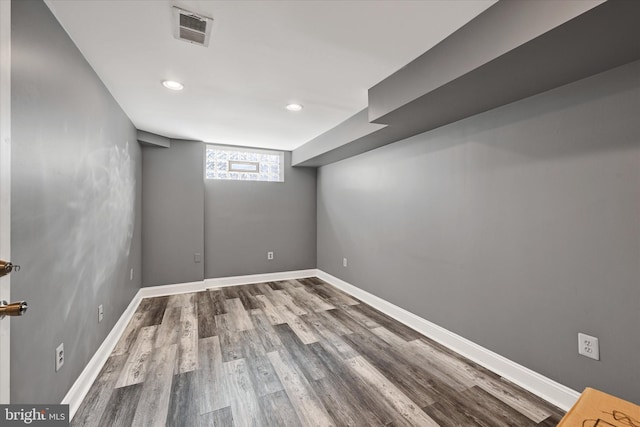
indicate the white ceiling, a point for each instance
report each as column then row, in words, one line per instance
column 262, row 56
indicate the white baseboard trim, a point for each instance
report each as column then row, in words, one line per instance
column 178, row 288
column 81, row 386
column 221, row 282
column 549, row 390
column 258, row 278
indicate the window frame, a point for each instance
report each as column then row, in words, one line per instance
column 232, row 163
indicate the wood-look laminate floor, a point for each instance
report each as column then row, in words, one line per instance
column 292, row 353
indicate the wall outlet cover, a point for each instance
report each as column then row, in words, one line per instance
column 131, row 274
column 100, row 313
column 344, row 262
column 59, row 356
column 588, row 346
column 270, row 255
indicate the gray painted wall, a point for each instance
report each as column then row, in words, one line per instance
column 75, row 206
column 173, row 213
column 517, row 228
column 244, row 220
column 231, row 224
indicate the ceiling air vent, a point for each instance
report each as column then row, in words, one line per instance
column 191, row 27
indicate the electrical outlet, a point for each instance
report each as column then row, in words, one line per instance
column 588, row 346
column 270, row 256
column 131, row 274
column 344, row 262
column 100, row 313
column 59, row 357
column 197, row 258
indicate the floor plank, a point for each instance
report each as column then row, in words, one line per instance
column 264, row 378
column 187, row 359
column 217, row 302
column 169, row 330
column 155, row 312
column 308, row 301
column 284, row 301
column 244, row 402
column 406, row 376
column 331, row 321
column 329, row 337
column 302, row 329
column 403, row 331
column 206, row 315
column 269, row 339
column 270, row 310
column 230, row 339
column 249, row 301
column 135, row 369
column 278, row 410
column 373, row 405
column 212, row 386
column 238, row 318
column 122, row 406
column 492, row 411
column 469, row 374
column 130, row 334
column 96, row 401
column 328, row 293
column 552, row 421
column 407, row 408
column 304, row 358
column 153, row 405
column 183, row 405
column 304, row 399
column 416, row 357
column 220, row 418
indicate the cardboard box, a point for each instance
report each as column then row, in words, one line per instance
column 597, row 409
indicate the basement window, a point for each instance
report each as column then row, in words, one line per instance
column 244, row 164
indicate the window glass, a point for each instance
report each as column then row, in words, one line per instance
column 244, row 164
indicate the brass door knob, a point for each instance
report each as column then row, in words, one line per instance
column 6, row 267
column 14, row 309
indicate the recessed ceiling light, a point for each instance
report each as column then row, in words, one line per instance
column 294, row 107
column 170, row 84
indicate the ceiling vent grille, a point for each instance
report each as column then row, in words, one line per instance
column 191, row 27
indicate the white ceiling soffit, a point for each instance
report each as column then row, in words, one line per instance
column 262, row 55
